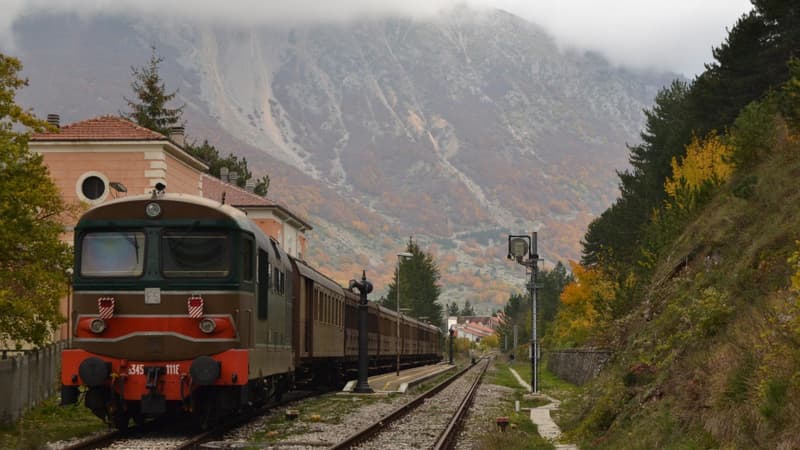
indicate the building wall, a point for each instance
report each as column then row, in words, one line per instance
column 290, row 239
column 302, row 242
column 68, row 169
column 271, row 227
column 178, row 177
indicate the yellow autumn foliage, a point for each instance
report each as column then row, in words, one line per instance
column 706, row 163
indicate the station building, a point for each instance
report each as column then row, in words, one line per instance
column 97, row 160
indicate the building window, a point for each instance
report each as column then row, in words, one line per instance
column 92, row 187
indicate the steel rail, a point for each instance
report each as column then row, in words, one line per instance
column 447, row 437
column 371, row 430
column 100, row 441
column 207, row 436
column 106, row 439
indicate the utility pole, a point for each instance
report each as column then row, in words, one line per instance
column 533, row 266
column 515, row 336
column 400, row 257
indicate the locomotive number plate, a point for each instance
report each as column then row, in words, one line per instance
column 152, row 296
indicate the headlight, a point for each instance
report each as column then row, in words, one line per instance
column 97, row 326
column 208, row 326
column 152, row 210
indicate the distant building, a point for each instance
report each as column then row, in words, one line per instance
column 474, row 328
column 97, row 160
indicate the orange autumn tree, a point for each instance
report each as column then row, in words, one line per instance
column 585, row 306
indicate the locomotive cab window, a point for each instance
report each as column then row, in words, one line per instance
column 195, row 254
column 112, row 254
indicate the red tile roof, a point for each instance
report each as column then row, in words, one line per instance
column 479, row 327
column 213, row 188
column 103, row 128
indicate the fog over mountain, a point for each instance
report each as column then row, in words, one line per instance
column 457, row 129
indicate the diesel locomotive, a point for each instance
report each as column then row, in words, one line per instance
column 182, row 304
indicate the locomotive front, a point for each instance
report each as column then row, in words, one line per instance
column 164, row 293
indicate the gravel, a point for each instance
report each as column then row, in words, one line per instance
column 416, row 430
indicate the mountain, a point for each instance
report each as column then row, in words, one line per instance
column 457, row 130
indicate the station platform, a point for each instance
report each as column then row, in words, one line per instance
column 391, row 382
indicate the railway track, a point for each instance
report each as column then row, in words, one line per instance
column 432, row 420
column 167, row 435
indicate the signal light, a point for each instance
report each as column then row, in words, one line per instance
column 97, row 326
column 208, row 326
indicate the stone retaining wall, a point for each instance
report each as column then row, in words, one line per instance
column 577, row 365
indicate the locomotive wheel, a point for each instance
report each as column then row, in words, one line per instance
column 120, row 420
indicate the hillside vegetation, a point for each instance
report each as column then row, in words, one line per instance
column 692, row 277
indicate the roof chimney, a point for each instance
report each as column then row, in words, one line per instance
column 223, row 174
column 176, row 136
column 250, row 185
column 233, row 177
column 54, row 120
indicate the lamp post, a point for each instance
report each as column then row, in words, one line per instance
column 400, row 257
column 364, row 287
column 524, row 250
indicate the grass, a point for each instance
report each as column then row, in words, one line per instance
column 49, row 422
column 548, row 383
column 521, row 432
column 329, row 408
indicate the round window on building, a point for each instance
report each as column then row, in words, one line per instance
column 93, row 187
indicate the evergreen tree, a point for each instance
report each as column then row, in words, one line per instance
column 615, row 237
column 419, row 286
column 516, row 313
column 210, row 156
column 750, row 63
column 549, row 295
column 149, row 109
column 467, row 310
column 452, row 309
column 33, row 260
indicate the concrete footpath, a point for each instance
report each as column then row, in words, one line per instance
column 540, row 416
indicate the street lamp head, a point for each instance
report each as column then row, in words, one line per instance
column 518, row 247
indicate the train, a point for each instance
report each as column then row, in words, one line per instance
column 181, row 304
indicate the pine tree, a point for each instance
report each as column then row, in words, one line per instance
column 419, row 288
column 548, row 296
column 33, row 260
column 515, row 313
column 150, row 107
column 210, row 156
column 467, row 310
column 452, row 309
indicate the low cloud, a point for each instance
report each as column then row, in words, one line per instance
column 672, row 35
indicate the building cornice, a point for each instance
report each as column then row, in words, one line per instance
column 72, row 146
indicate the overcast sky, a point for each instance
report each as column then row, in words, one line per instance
column 675, row 35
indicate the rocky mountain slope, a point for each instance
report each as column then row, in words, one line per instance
column 457, row 130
